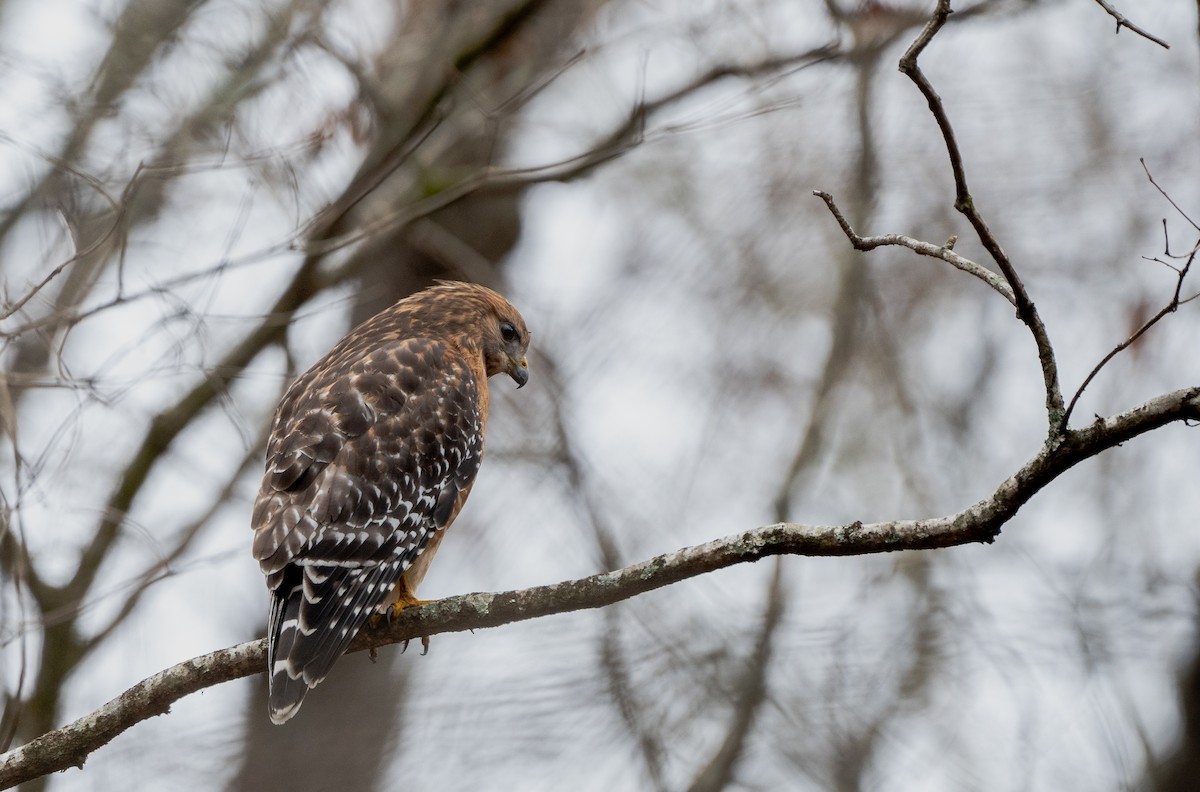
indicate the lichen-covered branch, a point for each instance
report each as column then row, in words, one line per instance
column 71, row 745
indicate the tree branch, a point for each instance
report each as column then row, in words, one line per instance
column 718, row 773
column 162, row 568
column 71, row 745
column 624, row 137
column 1171, row 306
column 1122, row 22
column 944, row 252
column 965, row 203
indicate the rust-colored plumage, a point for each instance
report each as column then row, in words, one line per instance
column 371, row 456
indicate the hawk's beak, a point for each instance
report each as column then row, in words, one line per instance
column 519, row 371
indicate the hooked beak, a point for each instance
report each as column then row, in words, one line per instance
column 519, row 371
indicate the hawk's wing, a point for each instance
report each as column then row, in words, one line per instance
column 366, row 462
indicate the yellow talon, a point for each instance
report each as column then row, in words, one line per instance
column 403, row 599
column 424, row 645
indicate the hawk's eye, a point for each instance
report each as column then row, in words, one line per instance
column 508, row 332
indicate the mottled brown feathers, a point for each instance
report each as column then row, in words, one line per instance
column 372, row 453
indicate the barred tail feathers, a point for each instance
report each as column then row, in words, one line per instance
column 315, row 613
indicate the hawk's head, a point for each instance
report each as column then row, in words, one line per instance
column 489, row 323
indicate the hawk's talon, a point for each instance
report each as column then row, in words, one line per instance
column 404, row 599
column 424, row 645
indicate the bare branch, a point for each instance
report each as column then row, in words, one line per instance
column 1164, row 194
column 965, row 204
column 162, row 568
column 1122, row 22
column 320, row 236
column 627, row 135
column 116, row 206
column 1170, row 307
column 70, row 745
column 718, row 774
column 626, row 700
column 306, row 282
column 850, row 293
column 139, row 34
column 944, row 252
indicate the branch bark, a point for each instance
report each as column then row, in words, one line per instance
column 1123, row 22
column 964, row 202
column 944, row 252
column 71, row 745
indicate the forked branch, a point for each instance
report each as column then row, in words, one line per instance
column 1171, row 306
column 965, row 203
column 1123, row 22
column 944, row 252
column 1177, row 298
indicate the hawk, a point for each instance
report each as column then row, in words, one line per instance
column 372, row 453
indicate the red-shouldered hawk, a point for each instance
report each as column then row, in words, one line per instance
column 372, row 453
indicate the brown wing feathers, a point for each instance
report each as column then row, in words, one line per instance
column 372, row 452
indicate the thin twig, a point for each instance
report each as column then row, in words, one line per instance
column 169, row 423
column 118, row 215
column 625, row 136
column 162, row 568
column 719, row 773
column 71, row 745
column 1170, row 307
column 965, row 204
column 1164, row 194
column 314, row 242
column 944, row 252
column 1123, row 22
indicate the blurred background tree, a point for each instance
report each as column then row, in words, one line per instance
column 201, row 197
